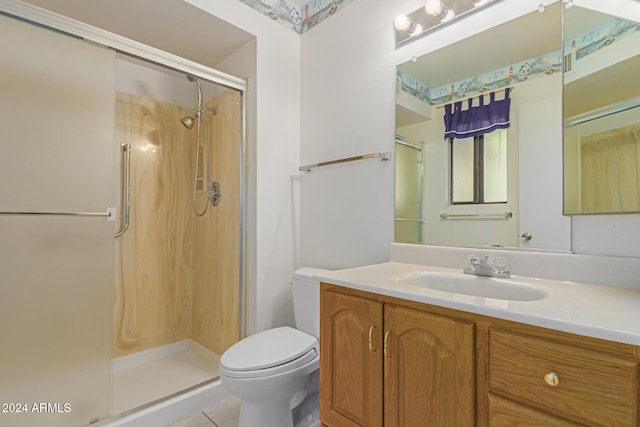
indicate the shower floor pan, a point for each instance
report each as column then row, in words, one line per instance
column 145, row 377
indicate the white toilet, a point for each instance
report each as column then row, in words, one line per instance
column 273, row 371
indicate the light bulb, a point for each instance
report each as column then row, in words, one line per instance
column 480, row 3
column 402, row 22
column 433, row 7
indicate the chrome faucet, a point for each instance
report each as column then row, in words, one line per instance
column 479, row 265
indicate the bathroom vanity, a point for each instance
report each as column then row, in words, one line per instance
column 397, row 350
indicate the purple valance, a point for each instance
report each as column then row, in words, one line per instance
column 478, row 120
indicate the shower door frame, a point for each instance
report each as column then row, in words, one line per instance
column 40, row 17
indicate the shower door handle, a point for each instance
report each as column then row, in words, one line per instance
column 126, row 151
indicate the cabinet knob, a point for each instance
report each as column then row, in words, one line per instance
column 552, row 379
column 371, row 348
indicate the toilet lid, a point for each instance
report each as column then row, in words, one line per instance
column 261, row 354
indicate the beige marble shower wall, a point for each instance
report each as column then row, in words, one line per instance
column 216, row 290
column 178, row 274
column 611, row 170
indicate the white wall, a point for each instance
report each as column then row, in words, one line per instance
column 273, row 118
column 348, row 109
column 348, row 82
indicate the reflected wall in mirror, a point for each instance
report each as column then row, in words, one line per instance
column 524, row 54
column 602, row 107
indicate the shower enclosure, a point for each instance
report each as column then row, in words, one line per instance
column 93, row 325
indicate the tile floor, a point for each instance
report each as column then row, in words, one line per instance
column 224, row 414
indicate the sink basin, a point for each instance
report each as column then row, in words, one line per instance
column 466, row 284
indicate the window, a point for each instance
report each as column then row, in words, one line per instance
column 479, row 169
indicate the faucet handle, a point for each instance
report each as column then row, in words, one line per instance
column 476, row 261
column 472, row 260
column 500, row 265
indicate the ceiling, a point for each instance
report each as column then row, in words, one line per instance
column 174, row 26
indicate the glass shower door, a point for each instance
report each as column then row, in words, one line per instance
column 56, row 272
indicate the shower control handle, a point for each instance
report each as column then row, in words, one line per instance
column 215, row 193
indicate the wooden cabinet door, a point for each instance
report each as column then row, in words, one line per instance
column 350, row 361
column 429, row 375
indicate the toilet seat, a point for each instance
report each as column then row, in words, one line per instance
column 269, row 352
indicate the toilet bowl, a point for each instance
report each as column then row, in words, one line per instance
column 274, row 371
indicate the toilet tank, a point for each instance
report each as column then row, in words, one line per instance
column 306, row 300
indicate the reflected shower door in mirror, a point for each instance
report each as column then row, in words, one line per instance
column 524, row 54
column 602, row 107
column 409, row 183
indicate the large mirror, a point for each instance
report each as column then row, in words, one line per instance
column 602, row 107
column 525, row 208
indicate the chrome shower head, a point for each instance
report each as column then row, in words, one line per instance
column 188, row 121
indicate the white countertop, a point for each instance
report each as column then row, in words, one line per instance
column 595, row 311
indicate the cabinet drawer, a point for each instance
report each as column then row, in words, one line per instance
column 592, row 387
column 507, row 413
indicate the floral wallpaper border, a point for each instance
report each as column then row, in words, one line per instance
column 493, row 80
column 598, row 38
column 601, row 36
column 299, row 19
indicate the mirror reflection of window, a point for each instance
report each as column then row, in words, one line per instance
column 479, row 169
column 495, row 167
column 463, row 170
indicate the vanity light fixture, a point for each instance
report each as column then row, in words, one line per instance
column 435, row 14
column 404, row 23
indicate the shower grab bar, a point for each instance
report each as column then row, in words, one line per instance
column 505, row 215
column 384, row 156
column 126, row 151
column 410, row 219
column 110, row 214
